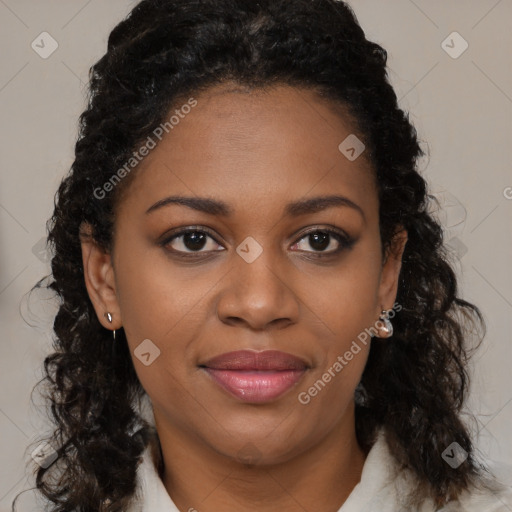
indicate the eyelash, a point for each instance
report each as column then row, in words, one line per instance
column 345, row 242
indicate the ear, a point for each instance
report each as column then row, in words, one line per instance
column 99, row 279
column 390, row 272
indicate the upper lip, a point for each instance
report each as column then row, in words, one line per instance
column 251, row 360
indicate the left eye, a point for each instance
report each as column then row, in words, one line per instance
column 321, row 240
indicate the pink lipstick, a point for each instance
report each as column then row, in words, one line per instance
column 256, row 377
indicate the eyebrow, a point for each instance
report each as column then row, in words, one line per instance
column 301, row 207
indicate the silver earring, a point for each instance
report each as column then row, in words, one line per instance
column 108, row 316
column 387, row 328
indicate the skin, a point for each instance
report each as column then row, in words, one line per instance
column 256, row 151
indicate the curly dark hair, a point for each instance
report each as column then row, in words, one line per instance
column 414, row 386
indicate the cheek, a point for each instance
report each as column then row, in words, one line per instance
column 345, row 298
column 157, row 298
column 328, row 395
column 164, row 309
column 345, row 302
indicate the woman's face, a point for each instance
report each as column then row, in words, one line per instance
column 251, row 278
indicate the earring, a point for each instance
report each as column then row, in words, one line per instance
column 108, row 316
column 387, row 328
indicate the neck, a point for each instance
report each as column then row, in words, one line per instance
column 320, row 478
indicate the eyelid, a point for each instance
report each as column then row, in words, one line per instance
column 328, row 228
column 174, row 233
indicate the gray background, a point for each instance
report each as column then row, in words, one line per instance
column 462, row 108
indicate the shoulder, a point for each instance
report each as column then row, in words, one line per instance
column 493, row 494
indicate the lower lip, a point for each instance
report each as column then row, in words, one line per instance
column 256, row 386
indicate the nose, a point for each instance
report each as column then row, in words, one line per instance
column 259, row 295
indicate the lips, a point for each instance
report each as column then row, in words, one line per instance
column 256, row 377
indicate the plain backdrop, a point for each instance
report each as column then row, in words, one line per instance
column 460, row 100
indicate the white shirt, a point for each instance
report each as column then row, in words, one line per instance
column 379, row 490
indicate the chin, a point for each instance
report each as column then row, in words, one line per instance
column 260, row 448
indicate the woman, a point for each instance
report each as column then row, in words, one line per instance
column 257, row 312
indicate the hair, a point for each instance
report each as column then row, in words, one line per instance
column 414, row 384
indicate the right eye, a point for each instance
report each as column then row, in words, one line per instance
column 190, row 241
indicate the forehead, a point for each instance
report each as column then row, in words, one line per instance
column 254, row 147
